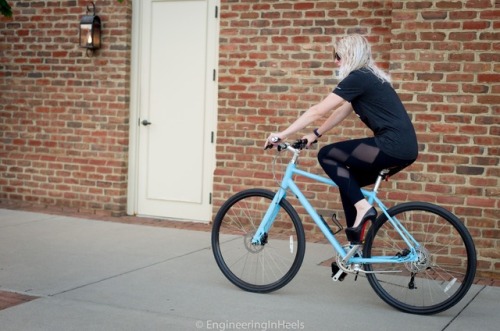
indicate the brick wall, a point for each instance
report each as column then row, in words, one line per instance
column 63, row 115
column 446, row 56
column 276, row 61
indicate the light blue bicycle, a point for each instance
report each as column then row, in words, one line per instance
column 417, row 256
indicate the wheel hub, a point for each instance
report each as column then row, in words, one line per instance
column 253, row 248
column 423, row 262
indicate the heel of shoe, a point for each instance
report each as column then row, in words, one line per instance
column 356, row 235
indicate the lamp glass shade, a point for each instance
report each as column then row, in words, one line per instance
column 90, row 32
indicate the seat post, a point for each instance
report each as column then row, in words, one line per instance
column 381, row 176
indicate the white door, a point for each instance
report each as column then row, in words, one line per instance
column 176, row 101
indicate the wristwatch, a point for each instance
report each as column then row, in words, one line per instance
column 317, row 133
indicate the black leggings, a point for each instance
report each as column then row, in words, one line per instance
column 353, row 164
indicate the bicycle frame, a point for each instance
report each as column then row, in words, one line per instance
column 289, row 184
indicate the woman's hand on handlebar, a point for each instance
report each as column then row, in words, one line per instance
column 311, row 139
column 273, row 140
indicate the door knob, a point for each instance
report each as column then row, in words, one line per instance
column 145, row 122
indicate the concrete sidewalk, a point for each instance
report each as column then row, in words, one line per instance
column 94, row 275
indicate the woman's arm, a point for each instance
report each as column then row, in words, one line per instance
column 314, row 113
column 333, row 120
column 336, row 118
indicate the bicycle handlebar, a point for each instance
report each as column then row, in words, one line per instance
column 299, row 144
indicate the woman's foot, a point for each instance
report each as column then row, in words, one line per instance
column 356, row 234
column 362, row 207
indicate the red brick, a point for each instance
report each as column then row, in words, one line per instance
column 9, row 299
column 479, row 4
column 434, row 15
column 476, row 25
column 488, row 78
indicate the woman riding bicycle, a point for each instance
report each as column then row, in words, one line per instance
column 352, row 164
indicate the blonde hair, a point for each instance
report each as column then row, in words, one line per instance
column 355, row 52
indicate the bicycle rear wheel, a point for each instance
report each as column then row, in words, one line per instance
column 257, row 268
column 446, row 266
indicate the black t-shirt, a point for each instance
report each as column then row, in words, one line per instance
column 379, row 107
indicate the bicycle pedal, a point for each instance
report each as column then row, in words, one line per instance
column 337, row 274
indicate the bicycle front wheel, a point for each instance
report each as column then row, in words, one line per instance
column 446, row 263
column 257, row 268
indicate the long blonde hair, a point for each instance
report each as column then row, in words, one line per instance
column 355, row 52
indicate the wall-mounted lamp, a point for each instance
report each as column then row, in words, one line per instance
column 90, row 30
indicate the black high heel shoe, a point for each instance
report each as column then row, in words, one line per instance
column 356, row 234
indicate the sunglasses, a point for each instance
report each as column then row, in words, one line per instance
column 336, row 56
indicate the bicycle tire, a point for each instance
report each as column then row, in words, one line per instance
column 447, row 259
column 257, row 268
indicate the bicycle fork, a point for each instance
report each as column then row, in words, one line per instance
column 260, row 236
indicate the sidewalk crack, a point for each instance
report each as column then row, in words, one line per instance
column 465, row 307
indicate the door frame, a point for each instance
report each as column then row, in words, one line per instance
column 135, row 98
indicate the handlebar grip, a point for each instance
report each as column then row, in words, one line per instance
column 302, row 143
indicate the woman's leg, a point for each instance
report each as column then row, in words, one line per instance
column 353, row 164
